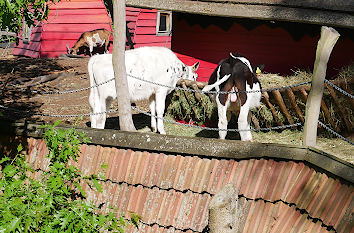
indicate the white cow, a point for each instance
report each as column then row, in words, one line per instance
column 155, row 64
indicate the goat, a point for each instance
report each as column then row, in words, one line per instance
column 153, row 64
column 91, row 39
column 235, row 74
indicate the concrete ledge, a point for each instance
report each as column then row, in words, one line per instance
column 203, row 147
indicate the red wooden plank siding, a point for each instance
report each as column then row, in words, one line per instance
column 25, row 52
column 61, row 36
column 67, row 21
column 146, row 23
column 76, row 5
column 145, row 32
column 80, row 28
column 132, row 14
column 30, row 49
column 68, row 12
column 151, row 39
column 282, row 47
column 80, row 19
column 205, row 67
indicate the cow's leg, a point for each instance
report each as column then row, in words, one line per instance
column 160, row 109
column 222, row 114
column 153, row 113
column 244, row 123
column 97, row 105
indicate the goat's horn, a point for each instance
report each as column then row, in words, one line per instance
column 67, row 46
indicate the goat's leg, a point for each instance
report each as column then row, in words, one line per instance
column 91, row 50
column 160, row 109
column 153, row 113
column 222, row 114
column 244, row 123
column 106, row 46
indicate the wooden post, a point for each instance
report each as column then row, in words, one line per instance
column 329, row 37
column 118, row 60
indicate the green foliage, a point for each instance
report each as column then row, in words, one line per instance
column 56, row 202
column 185, row 109
column 13, row 12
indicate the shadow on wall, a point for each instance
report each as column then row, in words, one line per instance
column 140, row 120
column 10, row 139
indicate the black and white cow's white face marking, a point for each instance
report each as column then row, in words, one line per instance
column 189, row 72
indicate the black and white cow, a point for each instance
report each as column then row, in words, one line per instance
column 235, row 74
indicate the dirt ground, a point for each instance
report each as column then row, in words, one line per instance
column 16, row 74
column 16, row 92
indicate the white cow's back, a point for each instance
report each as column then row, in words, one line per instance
column 149, row 63
column 152, row 72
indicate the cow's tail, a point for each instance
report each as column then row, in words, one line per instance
column 217, row 83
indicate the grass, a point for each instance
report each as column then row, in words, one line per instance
column 325, row 142
column 334, row 146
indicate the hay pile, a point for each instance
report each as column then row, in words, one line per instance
column 185, row 106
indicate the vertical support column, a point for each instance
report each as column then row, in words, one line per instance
column 118, row 60
column 329, row 37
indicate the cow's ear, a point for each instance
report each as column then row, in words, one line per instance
column 195, row 66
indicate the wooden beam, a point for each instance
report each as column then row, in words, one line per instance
column 294, row 104
column 278, row 97
column 338, row 5
column 328, row 39
column 255, row 11
column 272, row 109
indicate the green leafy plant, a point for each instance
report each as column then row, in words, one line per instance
column 56, row 202
column 14, row 12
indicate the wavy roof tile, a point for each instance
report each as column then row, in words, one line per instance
column 172, row 192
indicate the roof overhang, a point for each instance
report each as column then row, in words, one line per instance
column 337, row 13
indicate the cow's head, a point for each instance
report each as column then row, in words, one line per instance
column 189, row 72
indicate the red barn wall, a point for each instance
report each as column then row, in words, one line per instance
column 69, row 19
column 145, row 32
column 282, row 47
column 30, row 49
column 132, row 14
column 66, row 22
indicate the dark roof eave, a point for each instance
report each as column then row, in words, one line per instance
column 255, row 11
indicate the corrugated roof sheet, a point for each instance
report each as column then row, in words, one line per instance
column 172, row 192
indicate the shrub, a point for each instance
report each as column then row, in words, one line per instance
column 56, row 202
